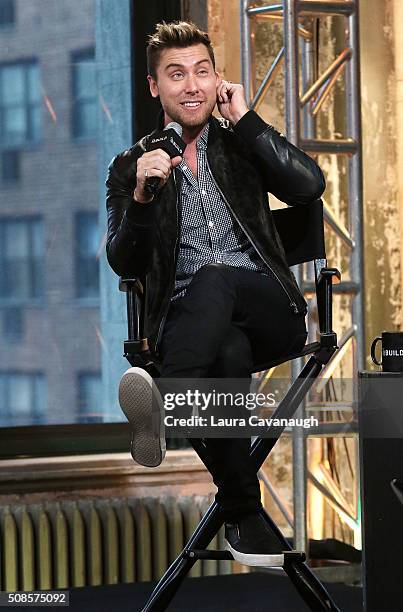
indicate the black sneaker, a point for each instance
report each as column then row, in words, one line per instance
column 142, row 404
column 251, row 542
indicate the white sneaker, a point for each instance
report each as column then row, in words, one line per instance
column 142, row 404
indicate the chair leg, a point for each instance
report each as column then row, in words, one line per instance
column 310, row 588
column 166, row 588
column 307, row 584
column 287, row 407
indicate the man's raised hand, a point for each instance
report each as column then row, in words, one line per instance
column 231, row 101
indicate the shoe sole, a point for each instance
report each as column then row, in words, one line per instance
column 275, row 560
column 143, row 407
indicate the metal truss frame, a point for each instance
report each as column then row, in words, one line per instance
column 299, row 18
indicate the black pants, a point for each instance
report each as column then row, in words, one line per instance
column 229, row 319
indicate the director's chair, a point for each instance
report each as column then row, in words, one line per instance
column 302, row 233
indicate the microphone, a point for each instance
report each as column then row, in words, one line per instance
column 170, row 141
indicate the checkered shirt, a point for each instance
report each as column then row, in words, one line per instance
column 209, row 231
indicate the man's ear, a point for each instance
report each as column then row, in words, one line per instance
column 153, row 86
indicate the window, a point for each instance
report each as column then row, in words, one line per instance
column 10, row 166
column 89, row 397
column 87, row 256
column 13, row 327
column 22, row 399
column 84, row 95
column 7, row 13
column 20, row 98
column 21, row 260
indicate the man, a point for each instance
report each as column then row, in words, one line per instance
column 220, row 296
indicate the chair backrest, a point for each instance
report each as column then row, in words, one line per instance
column 301, row 231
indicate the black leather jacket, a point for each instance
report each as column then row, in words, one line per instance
column 246, row 162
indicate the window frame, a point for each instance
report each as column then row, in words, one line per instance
column 79, row 297
column 35, row 378
column 82, row 375
column 7, row 302
column 11, row 24
column 75, row 57
column 8, row 181
column 30, row 143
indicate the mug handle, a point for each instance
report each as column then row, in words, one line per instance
column 373, row 349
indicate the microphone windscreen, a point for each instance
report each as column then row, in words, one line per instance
column 169, row 140
column 175, row 126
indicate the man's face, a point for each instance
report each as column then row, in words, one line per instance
column 186, row 84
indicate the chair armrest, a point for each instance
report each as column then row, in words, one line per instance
column 130, row 284
column 136, row 349
column 135, row 297
column 325, row 278
column 334, row 273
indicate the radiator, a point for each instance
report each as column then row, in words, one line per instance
column 58, row 545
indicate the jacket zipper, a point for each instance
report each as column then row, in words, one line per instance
column 175, row 260
column 293, row 305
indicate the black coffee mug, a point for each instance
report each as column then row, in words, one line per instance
column 392, row 351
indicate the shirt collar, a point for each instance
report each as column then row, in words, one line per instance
column 203, row 138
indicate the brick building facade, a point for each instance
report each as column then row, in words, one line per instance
column 50, row 243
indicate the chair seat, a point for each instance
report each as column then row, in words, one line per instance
column 307, row 350
column 146, row 360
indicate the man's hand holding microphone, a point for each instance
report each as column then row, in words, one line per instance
column 154, row 167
